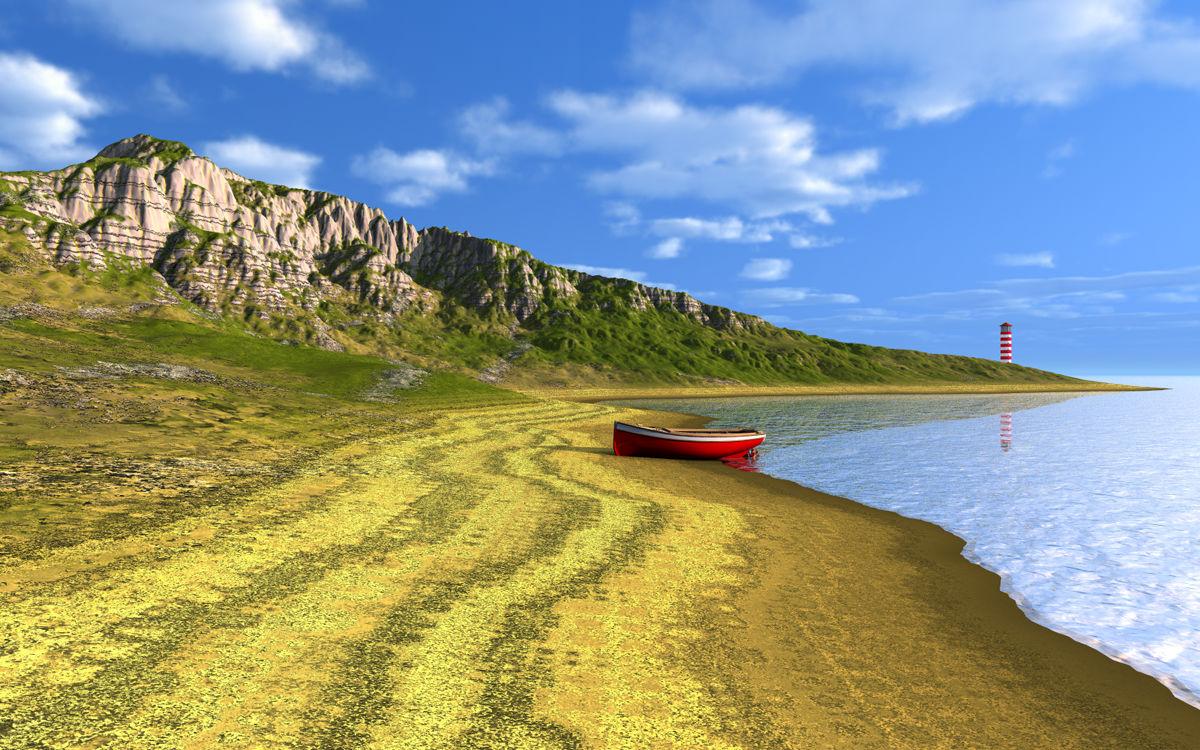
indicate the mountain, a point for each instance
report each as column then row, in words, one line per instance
column 312, row 267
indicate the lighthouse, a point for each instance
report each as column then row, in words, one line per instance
column 1006, row 342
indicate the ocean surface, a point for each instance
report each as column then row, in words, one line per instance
column 1088, row 506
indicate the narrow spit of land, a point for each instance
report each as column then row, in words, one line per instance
column 494, row 577
column 592, row 395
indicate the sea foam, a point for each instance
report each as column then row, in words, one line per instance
column 1088, row 507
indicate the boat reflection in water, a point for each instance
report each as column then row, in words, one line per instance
column 743, row 463
column 1006, row 431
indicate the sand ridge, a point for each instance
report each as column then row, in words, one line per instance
column 498, row 579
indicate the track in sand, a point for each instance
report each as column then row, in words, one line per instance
column 493, row 577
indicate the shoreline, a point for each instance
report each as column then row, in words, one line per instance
column 493, row 575
column 593, row 395
column 1182, row 693
column 994, row 607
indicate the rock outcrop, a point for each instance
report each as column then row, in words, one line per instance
column 226, row 242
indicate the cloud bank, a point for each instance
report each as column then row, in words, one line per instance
column 923, row 61
column 253, row 157
column 417, row 178
column 246, row 35
column 42, row 112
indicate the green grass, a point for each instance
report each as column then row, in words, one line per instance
column 16, row 211
column 269, row 557
column 179, row 334
column 171, row 151
column 100, row 218
column 664, row 346
column 253, row 194
column 331, row 373
column 99, row 164
column 602, row 333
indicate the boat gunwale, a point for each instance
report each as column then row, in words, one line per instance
column 699, row 435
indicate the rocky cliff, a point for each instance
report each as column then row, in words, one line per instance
column 307, row 266
column 227, row 243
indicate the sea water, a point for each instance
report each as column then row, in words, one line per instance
column 1088, row 506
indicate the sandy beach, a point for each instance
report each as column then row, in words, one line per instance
column 494, row 577
column 618, row 392
column 317, row 318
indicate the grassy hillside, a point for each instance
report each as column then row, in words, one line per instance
column 123, row 408
column 210, row 538
column 603, row 331
column 439, row 299
column 116, row 361
column 611, row 333
column 601, row 336
column 111, row 383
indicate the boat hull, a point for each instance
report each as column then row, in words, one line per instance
column 631, row 440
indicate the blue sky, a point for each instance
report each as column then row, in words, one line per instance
column 904, row 174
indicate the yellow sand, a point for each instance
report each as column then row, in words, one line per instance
column 592, row 394
column 499, row 579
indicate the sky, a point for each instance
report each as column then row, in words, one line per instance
column 895, row 173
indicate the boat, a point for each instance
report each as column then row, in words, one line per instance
column 666, row 442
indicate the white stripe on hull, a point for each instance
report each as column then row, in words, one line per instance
column 728, row 438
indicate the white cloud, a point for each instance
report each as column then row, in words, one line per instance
column 1055, row 159
column 252, row 157
column 247, row 35
column 1062, row 151
column 1036, row 260
column 767, row 269
column 752, row 161
column 760, row 160
column 802, row 241
column 626, row 217
column 623, row 217
column 1130, row 280
column 1058, row 297
column 163, row 93
column 1114, row 238
column 671, row 247
column 42, row 109
column 609, row 271
column 729, row 229
column 418, row 177
column 1177, row 298
column 782, row 296
column 924, row 61
column 488, row 127
column 620, row 273
column 335, row 64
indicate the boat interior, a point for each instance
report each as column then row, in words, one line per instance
column 701, row 431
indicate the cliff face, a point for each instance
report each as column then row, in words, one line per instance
column 225, row 242
column 214, row 235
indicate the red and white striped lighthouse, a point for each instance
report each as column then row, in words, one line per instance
column 1006, row 342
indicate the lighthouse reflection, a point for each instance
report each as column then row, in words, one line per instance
column 1006, row 431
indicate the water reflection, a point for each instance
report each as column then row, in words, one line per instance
column 792, row 420
column 742, row 463
column 1092, row 525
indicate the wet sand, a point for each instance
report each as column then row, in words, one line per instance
column 494, row 577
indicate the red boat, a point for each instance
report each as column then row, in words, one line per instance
column 664, row 442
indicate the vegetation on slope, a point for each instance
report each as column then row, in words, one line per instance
column 611, row 332
column 485, row 305
column 661, row 345
column 211, row 538
column 123, row 407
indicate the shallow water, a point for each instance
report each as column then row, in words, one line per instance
column 1088, row 506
